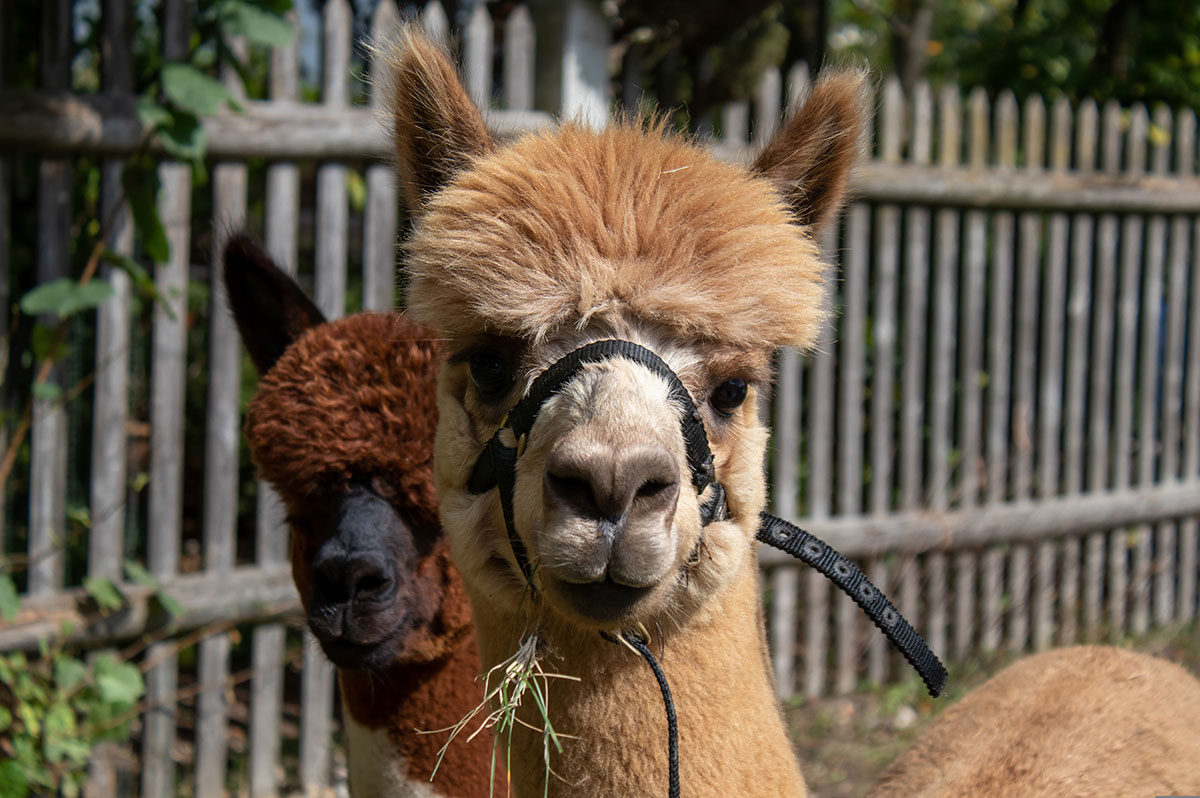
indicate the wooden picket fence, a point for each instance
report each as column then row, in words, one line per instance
column 1003, row 424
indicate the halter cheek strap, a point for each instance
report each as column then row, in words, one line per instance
column 497, row 467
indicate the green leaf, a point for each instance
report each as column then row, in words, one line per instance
column 46, row 391
column 65, row 297
column 192, row 90
column 68, row 672
column 105, row 593
column 150, row 113
column 139, row 482
column 138, row 574
column 118, row 682
column 44, row 343
column 257, row 24
column 60, row 726
column 184, row 137
column 10, row 602
column 13, row 781
column 171, row 605
column 5, row 718
column 137, row 273
column 141, row 189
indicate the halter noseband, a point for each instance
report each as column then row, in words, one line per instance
column 497, row 467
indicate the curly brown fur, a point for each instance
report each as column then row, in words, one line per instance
column 1070, row 723
column 350, row 400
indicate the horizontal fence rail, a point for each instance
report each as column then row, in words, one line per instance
column 1002, row 424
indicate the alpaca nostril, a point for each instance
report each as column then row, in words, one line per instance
column 573, row 492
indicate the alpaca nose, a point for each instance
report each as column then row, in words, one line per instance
column 616, row 486
column 344, row 575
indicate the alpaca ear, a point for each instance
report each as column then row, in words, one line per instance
column 436, row 127
column 810, row 157
column 269, row 308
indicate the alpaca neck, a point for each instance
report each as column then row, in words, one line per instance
column 732, row 740
column 383, row 710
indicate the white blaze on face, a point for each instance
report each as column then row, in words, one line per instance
column 377, row 769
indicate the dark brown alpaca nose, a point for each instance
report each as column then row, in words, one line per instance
column 343, row 575
column 612, row 485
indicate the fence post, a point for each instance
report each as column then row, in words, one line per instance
column 1186, row 598
column 271, row 534
column 48, row 458
column 381, row 215
column 572, row 56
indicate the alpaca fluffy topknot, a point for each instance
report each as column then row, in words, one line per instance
column 351, row 400
column 573, row 225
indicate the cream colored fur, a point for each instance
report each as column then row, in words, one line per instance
column 1071, row 723
column 376, row 769
column 633, row 232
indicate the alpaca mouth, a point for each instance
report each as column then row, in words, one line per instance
column 604, row 601
column 347, row 653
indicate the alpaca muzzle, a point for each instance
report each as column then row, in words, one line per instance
column 497, row 468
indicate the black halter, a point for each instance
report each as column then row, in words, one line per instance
column 497, row 467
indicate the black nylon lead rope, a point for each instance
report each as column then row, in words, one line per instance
column 818, row 554
column 672, row 728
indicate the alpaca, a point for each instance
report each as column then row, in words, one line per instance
column 523, row 253
column 1068, row 723
column 342, row 426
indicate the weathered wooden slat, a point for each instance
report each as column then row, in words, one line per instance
column 435, row 23
column 1050, row 382
column 220, row 464
column 110, row 408
column 1189, row 530
column 883, row 356
column 767, row 96
column 477, row 56
column 999, row 375
column 912, row 381
column 271, row 535
column 48, row 440
column 519, row 47
column 316, row 714
column 1021, row 521
column 244, row 594
column 970, row 374
column 942, row 356
column 855, row 288
column 1100, row 402
column 819, row 499
column 785, row 490
column 381, row 214
column 1172, row 369
column 168, row 364
column 735, row 124
column 1025, row 368
column 333, row 208
column 1123, row 382
column 1147, row 398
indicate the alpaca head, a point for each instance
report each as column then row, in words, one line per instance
column 525, row 252
column 342, row 426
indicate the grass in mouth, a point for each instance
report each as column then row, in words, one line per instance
column 509, row 683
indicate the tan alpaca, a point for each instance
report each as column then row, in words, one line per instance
column 523, row 253
column 1070, row 723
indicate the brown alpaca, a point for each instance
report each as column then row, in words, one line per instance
column 342, row 426
column 1069, row 723
column 521, row 254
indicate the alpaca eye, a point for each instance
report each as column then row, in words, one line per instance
column 728, row 396
column 491, row 374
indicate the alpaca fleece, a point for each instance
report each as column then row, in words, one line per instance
column 1071, row 723
column 573, row 227
column 345, row 402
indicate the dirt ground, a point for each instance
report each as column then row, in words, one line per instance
column 844, row 744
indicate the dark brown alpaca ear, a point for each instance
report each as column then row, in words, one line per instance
column 269, row 308
column 436, row 127
column 810, row 157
